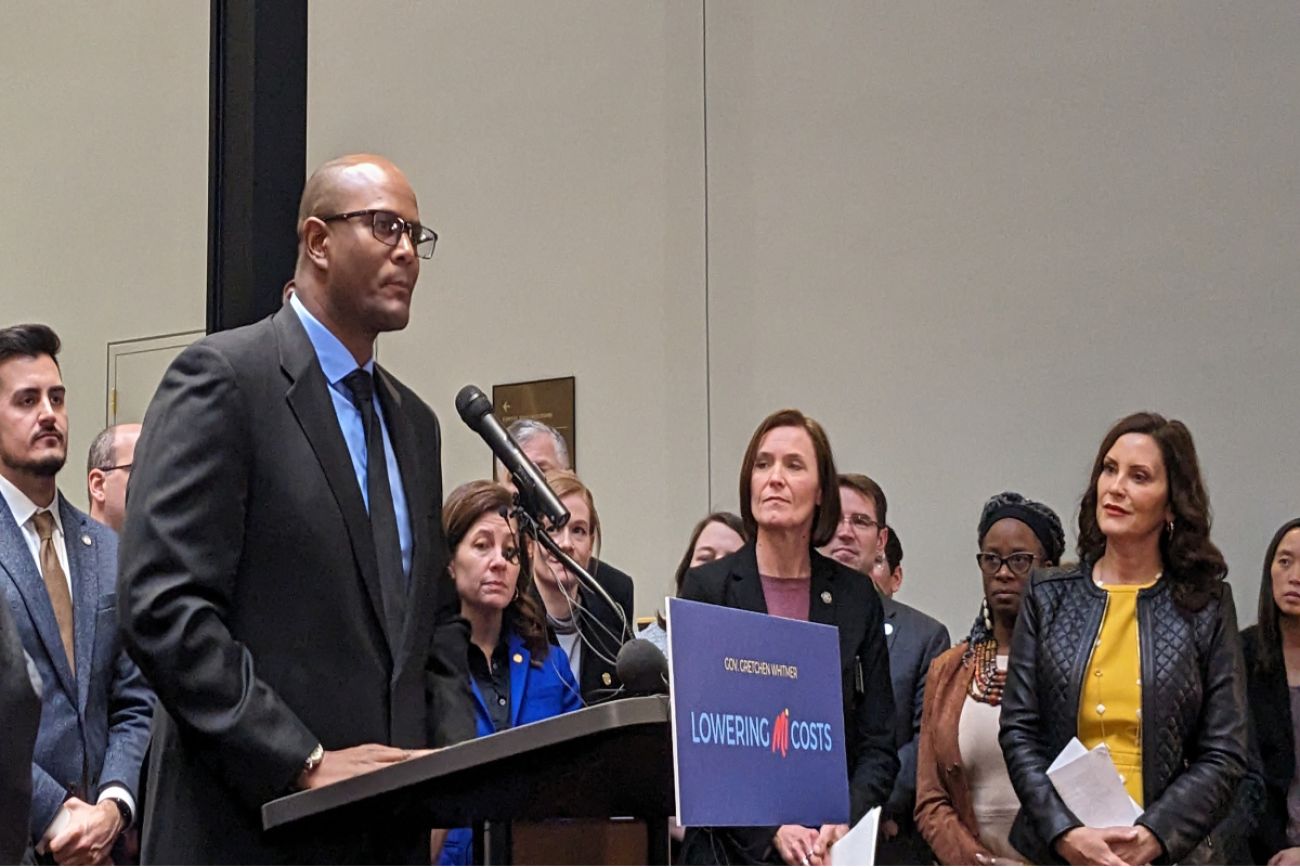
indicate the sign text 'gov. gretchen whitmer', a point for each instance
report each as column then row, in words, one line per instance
column 758, row 719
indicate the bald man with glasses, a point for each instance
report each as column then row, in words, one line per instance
column 282, row 557
column 108, row 469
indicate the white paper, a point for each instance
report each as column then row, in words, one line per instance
column 1090, row 786
column 858, row 847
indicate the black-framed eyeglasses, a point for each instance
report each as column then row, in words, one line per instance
column 1019, row 562
column 118, row 467
column 388, row 228
column 859, row 521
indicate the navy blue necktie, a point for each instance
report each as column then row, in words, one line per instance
column 383, row 517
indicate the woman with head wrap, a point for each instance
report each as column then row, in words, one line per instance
column 964, row 801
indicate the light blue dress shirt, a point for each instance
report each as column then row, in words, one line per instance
column 337, row 362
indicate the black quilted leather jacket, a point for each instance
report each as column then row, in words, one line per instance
column 1194, row 725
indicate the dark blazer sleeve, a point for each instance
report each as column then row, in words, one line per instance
column 876, row 764
column 1259, row 810
column 902, row 799
column 449, row 705
column 179, row 555
column 1190, row 806
column 1021, row 734
column 694, row 589
column 450, row 711
column 21, row 710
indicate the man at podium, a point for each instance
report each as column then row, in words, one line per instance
column 282, row 557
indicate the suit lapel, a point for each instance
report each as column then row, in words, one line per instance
column 520, row 659
column 891, row 622
column 309, row 399
column 746, row 585
column 402, row 436
column 85, row 593
column 821, row 607
column 16, row 559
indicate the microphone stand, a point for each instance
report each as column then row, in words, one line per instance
column 532, row 527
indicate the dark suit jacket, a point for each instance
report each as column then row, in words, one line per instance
column 598, row 625
column 854, row 608
column 20, row 708
column 1272, row 748
column 94, row 726
column 914, row 640
column 250, row 596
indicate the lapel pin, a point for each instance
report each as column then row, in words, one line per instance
column 826, row 596
column 606, row 679
column 889, row 629
column 85, row 539
column 518, row 657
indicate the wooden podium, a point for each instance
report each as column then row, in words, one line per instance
column 602, row 762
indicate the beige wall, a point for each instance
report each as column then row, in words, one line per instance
column 966, row 237
column 103, row 163
column 559, row 153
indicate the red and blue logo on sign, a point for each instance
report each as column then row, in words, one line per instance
column 758, row 718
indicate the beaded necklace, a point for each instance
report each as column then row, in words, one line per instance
column 988, row 681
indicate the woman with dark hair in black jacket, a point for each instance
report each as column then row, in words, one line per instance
column 1135, row 648
column 1272, row 650
column 790, row 505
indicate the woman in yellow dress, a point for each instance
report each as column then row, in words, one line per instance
column 1135, row 648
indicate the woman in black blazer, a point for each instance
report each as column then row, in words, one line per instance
column 1272, row 651
column 790, row 504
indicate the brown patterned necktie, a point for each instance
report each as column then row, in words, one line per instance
column 56, row 583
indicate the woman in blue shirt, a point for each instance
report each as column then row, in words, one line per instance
column 516, row 675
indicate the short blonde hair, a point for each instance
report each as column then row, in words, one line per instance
column 566, row 483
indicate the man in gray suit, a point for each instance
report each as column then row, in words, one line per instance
column 58, row 570
column 914, row 639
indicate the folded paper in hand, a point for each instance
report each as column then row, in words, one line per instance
column 1090, row 786
column 858, row 847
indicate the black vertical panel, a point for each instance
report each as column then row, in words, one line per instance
column 257, row 153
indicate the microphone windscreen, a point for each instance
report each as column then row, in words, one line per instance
column 642, row 667
column 472, row 404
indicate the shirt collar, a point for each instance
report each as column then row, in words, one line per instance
column 335, row 360
column 22, row 508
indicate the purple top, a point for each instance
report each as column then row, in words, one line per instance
column 787, row 597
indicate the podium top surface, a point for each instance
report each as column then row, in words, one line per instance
column 498, row 776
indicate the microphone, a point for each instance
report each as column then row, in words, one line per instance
column 642, row 667
column 535, row 495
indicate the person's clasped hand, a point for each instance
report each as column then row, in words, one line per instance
column 798, row 844
column 1134, row 844
column 89, row 834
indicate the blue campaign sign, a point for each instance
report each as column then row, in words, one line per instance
column 758, row 718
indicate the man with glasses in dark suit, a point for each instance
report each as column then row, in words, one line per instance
column 914, row 639
column 282, row 559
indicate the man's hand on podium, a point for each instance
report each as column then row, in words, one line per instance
column 339, row 765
